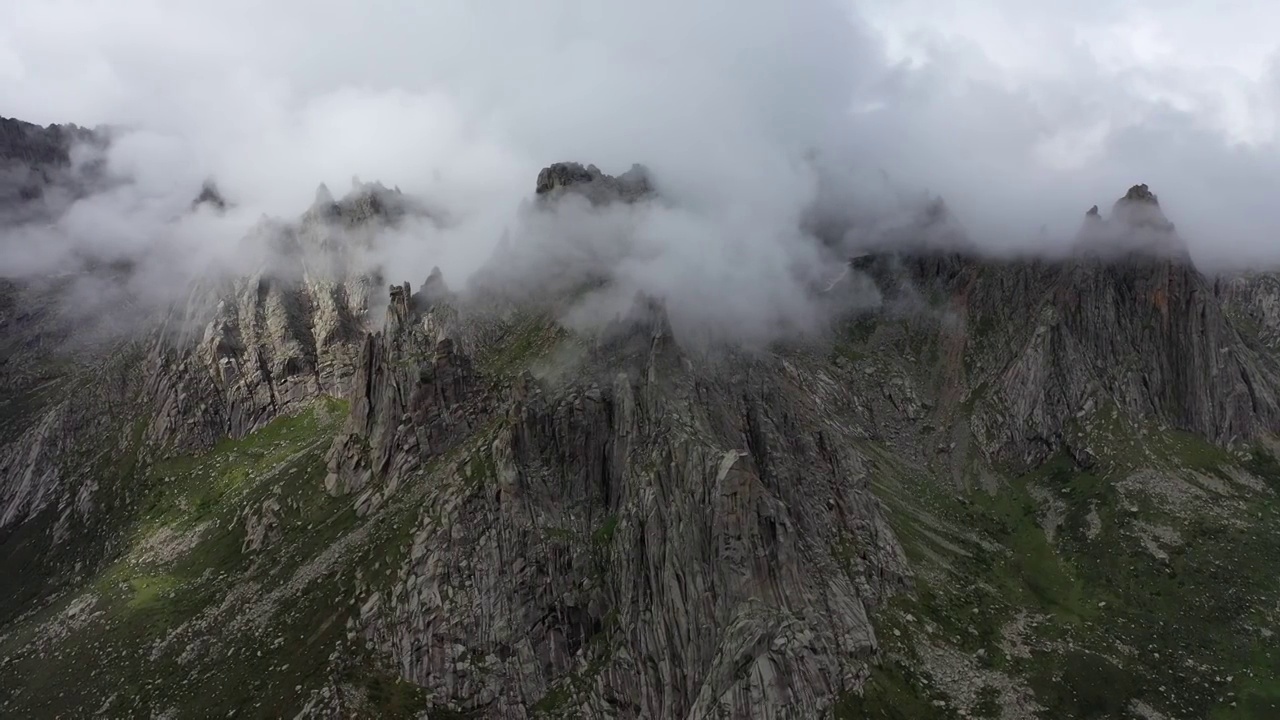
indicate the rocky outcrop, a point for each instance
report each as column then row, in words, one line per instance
column 281, row 344
column 1131, row 327
column 36, row 146
column 1252, row 300
column 39, row 173
column 414, row 397
column 210, row 196
column 667, row 542
column 1147, row 337
column 269, row 347
column 560, row 179
column 1137, row 226
column 261, row 525
column 240, row 353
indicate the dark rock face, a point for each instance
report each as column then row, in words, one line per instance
column 37, row 173
column 414, row 397
column 1138, row 329
column 209, row 195
column 556, row 180
column 37, row 146
column 1148, row 337
column 711, row 588
column 1136, row 226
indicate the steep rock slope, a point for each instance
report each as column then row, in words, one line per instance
column 243, row 352
column 226, row 361
column 648, row 541
column 34, row 159
column 1130, row 325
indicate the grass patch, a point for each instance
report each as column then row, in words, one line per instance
column 895, row 691
column 529, row 338
column 147, row 640
column 1182, row 634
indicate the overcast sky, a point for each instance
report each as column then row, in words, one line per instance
column 1021, row 114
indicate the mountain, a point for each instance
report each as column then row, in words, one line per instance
column 1016, row 489
column 44, row 169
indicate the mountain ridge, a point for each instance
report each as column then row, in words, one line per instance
column 279, row 504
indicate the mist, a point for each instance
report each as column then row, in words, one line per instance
column 1020, row 117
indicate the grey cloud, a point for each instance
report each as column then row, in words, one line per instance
column 462, row 101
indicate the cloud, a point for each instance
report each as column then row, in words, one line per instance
column 1020, row 115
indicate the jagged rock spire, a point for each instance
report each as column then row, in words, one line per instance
column 1140, row 209
column 563, row 175
column 434, row 288
column 400, row 307
column 559, row 178
column 1140, row 193
column 1136, row 224
column 323, row 196
column 209, row 194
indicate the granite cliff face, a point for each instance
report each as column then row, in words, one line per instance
column 1132, row 327
column 43, row 169
column 1016, row 489
column 651, row 540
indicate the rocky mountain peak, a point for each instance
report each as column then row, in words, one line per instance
column 565, row 174
column 324, row 196
column 434, row 289
column 1140, row 209
column 210, row 195
column 35, row 159
column 1140, row 193
column 555, row 180
column 36, row 145
column 1135, row 226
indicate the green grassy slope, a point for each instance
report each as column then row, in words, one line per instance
column 1135, row 586
column 184, row 616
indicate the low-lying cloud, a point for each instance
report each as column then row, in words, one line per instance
column 1020, row 122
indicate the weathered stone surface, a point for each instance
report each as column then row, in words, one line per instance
column 257, row 347
column 414, row 396
column 665, row 536
column 1136, row 227
column 261, row 525
column 556, row 180
column 37, row 174
column 1050, row 343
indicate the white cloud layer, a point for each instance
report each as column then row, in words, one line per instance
column 1021, row 115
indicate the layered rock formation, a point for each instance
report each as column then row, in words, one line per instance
column 44, row 168
column 556, row 180
column 415, row 396
column 655, row 543
column 234, row 355
column 1136, row 226
column 1129, row 324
